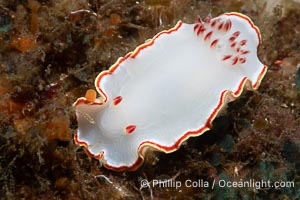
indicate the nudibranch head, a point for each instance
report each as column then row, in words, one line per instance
column 168, row 89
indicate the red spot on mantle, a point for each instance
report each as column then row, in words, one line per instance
column 196, row 27
column 226, row 57
column 233, row 44
column 117, row 100
column 220, row 26
column 242, row 60
column 214, row 43
column 207, row 19
column 198, row 20
column 213, row 23
column 231, row 39
column 201, row 29
column 208, row 35
column 243, row 42
column 227, row 25
column 236, row 34
column 244, row 51
column 130, row 128
column 235, row 60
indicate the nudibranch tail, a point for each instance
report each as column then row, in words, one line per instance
column 151, row 100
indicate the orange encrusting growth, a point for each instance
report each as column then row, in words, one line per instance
column 23, row 43
column 90, row 95
column 58, row 128
column 7, row 105
column 34, row 6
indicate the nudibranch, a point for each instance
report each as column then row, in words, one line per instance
column 168, row 89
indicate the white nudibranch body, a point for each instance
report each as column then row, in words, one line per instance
column 169, row 89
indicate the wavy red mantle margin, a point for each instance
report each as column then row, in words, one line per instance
column 188, row 134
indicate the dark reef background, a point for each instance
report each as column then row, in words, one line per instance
column 52, row 50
